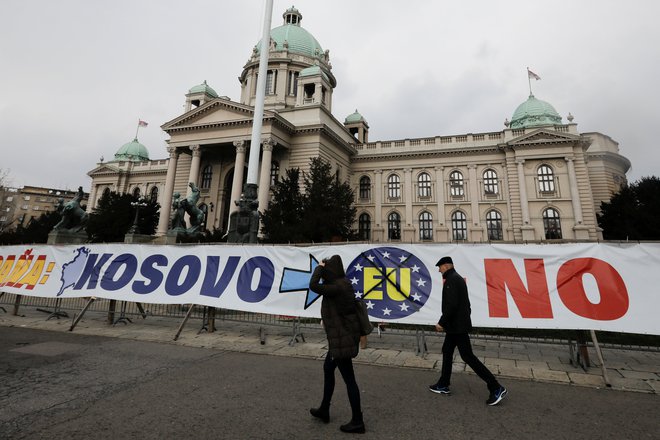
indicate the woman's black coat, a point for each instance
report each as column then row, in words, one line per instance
column 340, row 321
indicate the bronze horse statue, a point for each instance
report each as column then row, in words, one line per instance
column 74, row 218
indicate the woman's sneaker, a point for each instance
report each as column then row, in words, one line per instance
column 435, row 388
column 496, row 396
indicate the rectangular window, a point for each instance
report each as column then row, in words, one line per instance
column 271, row 82
column 293, row 84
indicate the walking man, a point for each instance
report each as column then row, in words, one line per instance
column 456, row 323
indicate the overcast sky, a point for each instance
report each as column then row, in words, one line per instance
column 76, row 75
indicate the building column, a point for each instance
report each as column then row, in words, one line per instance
column 91, row 200
column 408, row 227
column 441, row 230
column 237, row 183
column 575, row 193
column 264, row 179
column 524, row 203
column 166, row 207
column 378, row 206
column 581, row 231
column 476, row 232
column 505, row 179
column 527, row 229
column 193, row 175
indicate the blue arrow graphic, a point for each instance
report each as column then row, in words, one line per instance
column 296, row 280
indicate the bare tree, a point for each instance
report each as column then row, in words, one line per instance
column 4, row 177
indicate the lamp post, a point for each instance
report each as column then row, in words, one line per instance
column 138, row 204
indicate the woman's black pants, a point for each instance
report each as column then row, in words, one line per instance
column 346, row 369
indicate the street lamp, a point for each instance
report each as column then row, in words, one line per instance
column 138, row 204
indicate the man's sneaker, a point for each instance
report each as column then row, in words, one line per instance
column 435, row 388
column 496, row 396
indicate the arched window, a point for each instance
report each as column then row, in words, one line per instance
column 271, row 82
column 552, row 224
column 106, row 192
column 494, row 225
column 459, row 226
column 153, row 194
column 394, row 226
column 424, row 185
column 456, row 184
column 136, row 192
column 364, row 226
column 207, row 176
column 365, row 188
column 546, row 179
column 274, row 172
column 425, row 226
column 393, row 186
column 490, row 182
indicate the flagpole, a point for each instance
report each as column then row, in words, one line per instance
column 529, row 81
column 248, row 203
column 137, row 129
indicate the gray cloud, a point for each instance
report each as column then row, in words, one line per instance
column 77, row 75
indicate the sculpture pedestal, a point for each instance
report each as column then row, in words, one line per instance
column 64, row 237
column 528, row 233
column 581, row 232
column 138, row 238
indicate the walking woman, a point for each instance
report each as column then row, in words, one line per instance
column 342, row 329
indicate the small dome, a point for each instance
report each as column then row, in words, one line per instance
column 354, row 117
column 534, row 113
column 297, row 38
column 313, row 70
column 204, row 88
column 132, row 151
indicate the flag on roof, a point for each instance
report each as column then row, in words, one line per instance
column 142, row 123
column 533, row 75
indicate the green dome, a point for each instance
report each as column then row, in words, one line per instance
column 534, row 113
column 132, row 151
column 313, row 70
column 298, row 39
column 354, row 117
column 203, row 88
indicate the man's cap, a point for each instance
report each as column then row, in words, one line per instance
column 444, row 260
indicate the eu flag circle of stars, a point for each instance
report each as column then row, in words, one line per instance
column 411, row 291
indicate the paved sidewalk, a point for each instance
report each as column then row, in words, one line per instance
column 627, row 370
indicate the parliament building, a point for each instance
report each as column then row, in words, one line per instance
column 537, row 179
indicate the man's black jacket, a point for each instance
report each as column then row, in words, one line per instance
column 455, row 304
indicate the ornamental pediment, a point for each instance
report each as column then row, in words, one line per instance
column 102, row 169
column 544, row 136
column 218, row 111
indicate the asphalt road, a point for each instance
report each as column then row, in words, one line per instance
column 60, row 385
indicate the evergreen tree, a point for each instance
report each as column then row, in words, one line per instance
column 281, row 221
column 36, row 231
column 114, row 216
column 323, row 213
column 328, row 210
column 632, row 213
